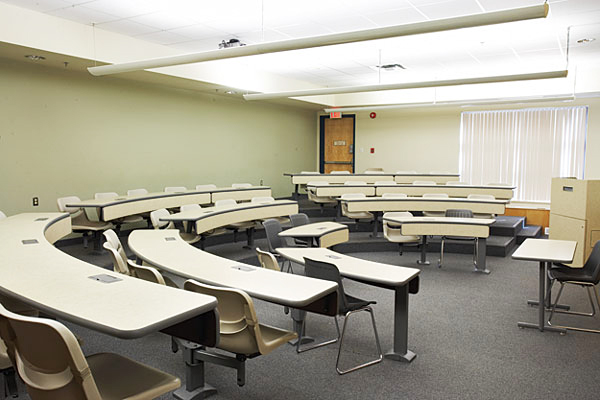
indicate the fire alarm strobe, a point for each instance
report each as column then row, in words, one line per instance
column 372, row 115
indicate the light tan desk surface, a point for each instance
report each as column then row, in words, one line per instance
column 327, row 233
column 401, row 280
column 35, row 272
column 209, row 218
column 239, row 194
column 437, row 178
column 499, row 192
column 545, row 251
column 122, row 206
column 303, row 179
column 468, row 227
column 167, row 251
column 338, row 190
column 379, row 204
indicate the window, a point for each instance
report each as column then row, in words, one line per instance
column 523, row 148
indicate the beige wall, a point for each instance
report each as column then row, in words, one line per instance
column 67, row 133
column 428, row 139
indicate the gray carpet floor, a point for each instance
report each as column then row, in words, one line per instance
column 462, row 326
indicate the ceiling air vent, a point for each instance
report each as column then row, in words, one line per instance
column 391, row 67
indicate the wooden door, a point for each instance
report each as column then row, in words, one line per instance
column 338, row 144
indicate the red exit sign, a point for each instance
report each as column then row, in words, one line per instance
column 335, row 114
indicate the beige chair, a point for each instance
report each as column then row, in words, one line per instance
column 172, row 189
column 377, row 183
column 241, row 185
column 123, row 265
column 155, row 217
column 267, row 260
column 269, row 199
column 130, row 219
column 2, row 215
column 393, row 232
column 52, row 365
column 240, row 331
column 435, row 196
column 482, row 197
column 355, row 183
column 320, row 200
column 209, row 186
column 456, row 183
column 80, row 222
column 137, row 192
column 203, row 235
column 355, row 215
column 394, row 195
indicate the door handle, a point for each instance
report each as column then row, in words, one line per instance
column 351, row 149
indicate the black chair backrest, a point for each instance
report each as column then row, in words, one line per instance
column 272, row 229
column 299, row 219
column 459, row 213
column 592, row 265
column 329, row 272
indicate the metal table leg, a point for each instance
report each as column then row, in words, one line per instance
column 375, row 223
column 541, row 325
column 481, row 256
column 400, row 350
column 423, row 260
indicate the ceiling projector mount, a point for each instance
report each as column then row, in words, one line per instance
column 231, row 43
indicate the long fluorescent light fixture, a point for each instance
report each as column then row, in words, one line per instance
column 409, row 85
column 468, row 21
column 463, row 103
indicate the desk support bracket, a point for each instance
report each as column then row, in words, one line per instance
column 400, row 350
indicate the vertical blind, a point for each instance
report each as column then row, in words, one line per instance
column 524, row 148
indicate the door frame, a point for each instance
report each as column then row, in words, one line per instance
column 322, row 119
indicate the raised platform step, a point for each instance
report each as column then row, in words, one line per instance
column 529, row 231
column 506, row 225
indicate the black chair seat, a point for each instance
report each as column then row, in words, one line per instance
column 354, row 303
column 564, row 273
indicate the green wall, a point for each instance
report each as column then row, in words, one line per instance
column 67, row 133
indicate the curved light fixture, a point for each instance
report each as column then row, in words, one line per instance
column 410, row 85
column 468, row 21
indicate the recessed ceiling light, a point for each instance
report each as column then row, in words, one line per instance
column 34, row 57
column 586, row 40
column 391, row 67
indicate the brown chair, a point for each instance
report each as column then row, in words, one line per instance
column 50, row 362
column 81, row 223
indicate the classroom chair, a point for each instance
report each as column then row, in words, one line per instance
column 274, row 241
column 137, row 192
column 172, row 189
column 130, row 219
column 248, row 226
column 435, row 196
column 347, row 306
column 155, row 217
column 482, row 197
column 355, row 215
column 208, row 186
column 2, row 215
column 80, row 222
column 393, row 232
column 52, row 365
column 458, row 214
column 320, row 200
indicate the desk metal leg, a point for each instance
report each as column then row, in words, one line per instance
column 541, row 325
column 548, row 298
column 296, row 192
column 375, row 223
column 481, row 256
column 195, row 386
column 423, row 260
column 298, row 317
column 400, row 350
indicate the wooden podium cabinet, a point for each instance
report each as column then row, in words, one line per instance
column 575, row 214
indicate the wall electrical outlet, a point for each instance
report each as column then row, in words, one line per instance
column 36, row 201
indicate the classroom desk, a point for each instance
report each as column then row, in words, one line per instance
column 123, row 206
column 499, row 192
column 239, row 194
column 339, row 190
column 326, row 234
column 166, row 250
column 303, row 179
column 380, row 204
column 545, row 251
column 448, row 226
column 401, row 280
column 34, row 272
column 209, row 218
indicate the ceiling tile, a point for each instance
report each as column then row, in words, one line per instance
column 39, row 5
column 450, row 8
column 83, row 15
column 126, row 9
column 163, row 37
column 395, row 17
column 304, row 30
column 165, row 20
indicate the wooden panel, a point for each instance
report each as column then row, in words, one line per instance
column 534, row 216
column 339, row 142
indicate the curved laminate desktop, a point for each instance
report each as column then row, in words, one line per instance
column 499, row 192
column 123, row 206
column 400, row 279
column 167, row 251
column 381, row 204
column 209, row 218
column 448, row 226
column 35, row 272
column 339, row 190
column 326, row 233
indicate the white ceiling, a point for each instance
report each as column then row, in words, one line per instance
column 187, row 26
